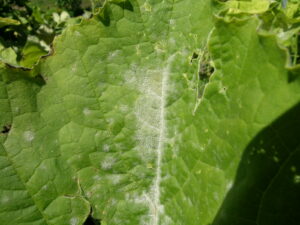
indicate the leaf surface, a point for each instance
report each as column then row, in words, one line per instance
column 117, row 125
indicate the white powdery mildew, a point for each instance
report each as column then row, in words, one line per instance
column 28, row 135
column 96, row 178
column 160, row 147
column 115, row 179
column 150, row 113
column 114, row 54
column 147, row 114
column 106, row 148
column 77, row 33
column 74, row 221
column 86, row 111
column 107, row 163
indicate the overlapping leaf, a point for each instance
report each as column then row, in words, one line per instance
column 117, row 124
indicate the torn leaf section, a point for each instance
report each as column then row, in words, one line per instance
column 6, row 129
column 205, row 70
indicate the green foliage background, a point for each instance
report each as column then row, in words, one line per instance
column 29, row 27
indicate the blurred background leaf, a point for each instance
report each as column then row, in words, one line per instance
column 27, row 28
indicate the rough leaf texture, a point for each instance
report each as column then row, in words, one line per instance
column 116, row 124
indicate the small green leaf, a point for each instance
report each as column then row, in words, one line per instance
column 8, row 55
column 31, row 54
column 8, row 22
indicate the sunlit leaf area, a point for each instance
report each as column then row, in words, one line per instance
column 149, row 112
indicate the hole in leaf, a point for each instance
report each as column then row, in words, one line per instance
column 91, row 221
column 194, row 56
column 6, row 129
column 206, row 69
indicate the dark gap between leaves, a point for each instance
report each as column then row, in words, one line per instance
column 91, row 221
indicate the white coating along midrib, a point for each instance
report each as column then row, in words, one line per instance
column 161, row 138
column 150, row 111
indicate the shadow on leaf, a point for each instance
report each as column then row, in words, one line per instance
column 126, row 4
column 91, row 221
column 266, row 190
column 104, row 15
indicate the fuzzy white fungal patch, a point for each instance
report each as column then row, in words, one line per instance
column 115, row 179
column 114, row 54
column 96, row 177
column 124, row 108
column 86, row 111
column 106, row 148
column 150, row 114
column 77, row 33
column 107, row 163
column 74, row 221
column 28, row 136
column 172, row 22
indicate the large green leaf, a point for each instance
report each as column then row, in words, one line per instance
column 37, row 187
column 265, row 188
column 118, row 124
